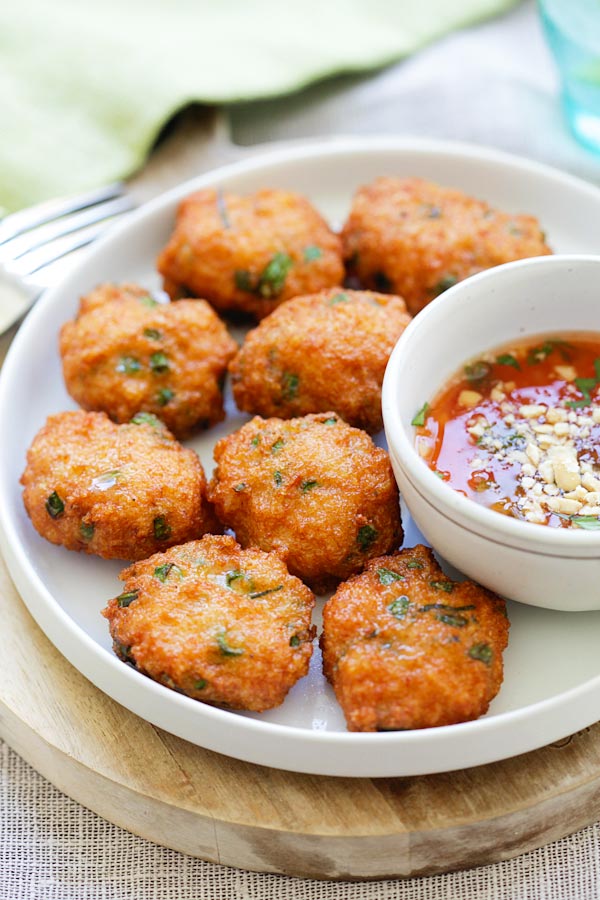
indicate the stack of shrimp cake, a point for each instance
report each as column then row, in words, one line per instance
column 404, row 647
column 218, row 623
column 313, row 489
column 249, row 254
column 117, row 491
column 125, row 353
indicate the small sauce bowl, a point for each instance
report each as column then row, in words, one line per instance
column 556, row 568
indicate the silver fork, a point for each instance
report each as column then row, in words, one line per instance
column 34, row 238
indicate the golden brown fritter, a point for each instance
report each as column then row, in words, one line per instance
column 125, row 353
column 405, row 647
column 250, row 253
column 414, row 238
column 117, row 491
column 324, row 351
column 313, row 489
column 221, row 624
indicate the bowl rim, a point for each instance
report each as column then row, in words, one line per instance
column 487, row 522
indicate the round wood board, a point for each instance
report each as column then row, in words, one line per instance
column 238, row 814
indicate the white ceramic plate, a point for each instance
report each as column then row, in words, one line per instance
column 552, row 665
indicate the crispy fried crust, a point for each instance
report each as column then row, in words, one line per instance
column 404, row 647
column 250, row 253
column 414, row 238
column 125, row 353
column 335, row 343
column 313, row 489
column 117, row 491
column 218, row 623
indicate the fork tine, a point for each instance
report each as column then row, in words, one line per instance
column 21, row 221
column 43, row 256
column 16, row 247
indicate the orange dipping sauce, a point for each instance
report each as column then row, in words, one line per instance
column 518, row 430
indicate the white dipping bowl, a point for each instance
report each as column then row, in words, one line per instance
column 556, row 568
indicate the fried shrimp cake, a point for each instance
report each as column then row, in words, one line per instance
column 250, row 253
column 218, row 623
column 125, row 353
column 405, row 647
column 117, row 491
column 414, row 238
column 313, row 489
column 321, row 352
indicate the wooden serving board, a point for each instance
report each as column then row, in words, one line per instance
column 234, row 813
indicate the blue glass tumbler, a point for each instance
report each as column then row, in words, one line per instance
column 573, row 31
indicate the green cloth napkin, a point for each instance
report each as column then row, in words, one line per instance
column 86, row 85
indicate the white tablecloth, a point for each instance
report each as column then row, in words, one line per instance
column 494, row 84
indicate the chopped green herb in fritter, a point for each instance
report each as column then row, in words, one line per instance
column 272, row 278
column 482, row 652
column 161, row 528
column 127, row 598
column 225, row 648
column 163, row 572
column 55, row 506
column 367, row 535
column 159, row 363
column 388, row 576
column 86, row 530
column 254, row 595
column 144, row 418
column 447, row 586
column 311, row 253
column 399, row 607
column 289, row 385
column 164, row 396
column 153, row 334
column 129, row 365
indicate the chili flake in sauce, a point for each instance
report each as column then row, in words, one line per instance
column 518, row 430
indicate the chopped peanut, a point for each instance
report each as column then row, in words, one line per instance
column 561, row 505
column 468, row 399
column 568, row 373
column 532, row 411
column 566, row 467
column 591, row 483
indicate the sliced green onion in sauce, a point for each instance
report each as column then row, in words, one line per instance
column 420, row 416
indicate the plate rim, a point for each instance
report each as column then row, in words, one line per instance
column 61, row 629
